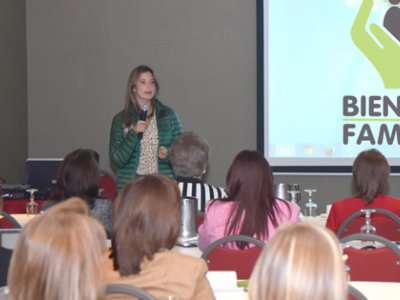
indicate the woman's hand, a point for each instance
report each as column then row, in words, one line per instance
column 162, row 152
column 140, row 126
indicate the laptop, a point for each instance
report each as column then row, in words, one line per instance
column 41, row 174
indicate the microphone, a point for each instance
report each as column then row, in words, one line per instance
column 143, row 116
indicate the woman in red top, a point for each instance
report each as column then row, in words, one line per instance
column 370, row 176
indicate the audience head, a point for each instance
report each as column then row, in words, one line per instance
column 79, row 176
column 189, row 155
column 302, row 261
column 370, row 174
column 249, row 183
column 59, row 255
column 146, row 219
column 249, row 173
column 132, row 83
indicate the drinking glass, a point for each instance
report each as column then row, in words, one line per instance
column 294, row 196
column 32, row 208
column 368, row 228
column 296, row 187
column 310, row 207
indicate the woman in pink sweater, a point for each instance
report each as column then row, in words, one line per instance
column 251, row 207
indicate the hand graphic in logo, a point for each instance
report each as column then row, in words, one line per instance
column 385, row 55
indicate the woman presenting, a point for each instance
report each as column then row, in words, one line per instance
column 142, row 133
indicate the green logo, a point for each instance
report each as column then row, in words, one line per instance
column 380, row 46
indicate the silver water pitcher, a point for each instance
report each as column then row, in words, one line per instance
column 282, row 191
column 189, row 218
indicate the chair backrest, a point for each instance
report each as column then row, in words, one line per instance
column 130, row 290
column 8, row 238
column 355, row 294
column 387, row 224
column 108, row 185
column 8, row 221
column 381, row 263
column 221, row 258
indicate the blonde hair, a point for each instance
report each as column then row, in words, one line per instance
column 301, row 261
column 59, row 255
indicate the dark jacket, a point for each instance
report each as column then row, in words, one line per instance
column 125, row 146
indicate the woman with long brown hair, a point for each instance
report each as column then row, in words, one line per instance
column 79, row 176
column 370, row 178
column 142, row 133
column 251, row 207
column 146, row 226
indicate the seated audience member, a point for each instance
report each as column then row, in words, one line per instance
column 251, row 207
column 59, row 255
column 146, row 226
column 302, row 261
column 370, row 177
column 189, row 159
column 79, row 176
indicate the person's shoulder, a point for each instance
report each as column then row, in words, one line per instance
column 186, row 260
column 214, row 187
column 216, row 209
column 283, row 202
column 348, row 201
column 387, row 202
column 219, row 204
column 162, row 108
column 391, row 198
column 103, row 202
column 118, row 116
column 287, row 205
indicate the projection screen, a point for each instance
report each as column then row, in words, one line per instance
column 328, row 83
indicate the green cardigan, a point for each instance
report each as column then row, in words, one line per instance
column 125, row 147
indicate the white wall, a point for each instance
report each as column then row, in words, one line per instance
column 13, row 95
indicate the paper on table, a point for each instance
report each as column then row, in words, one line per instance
column 223, row 281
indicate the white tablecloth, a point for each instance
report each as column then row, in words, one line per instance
column 319, row 220
column 22, row 219
column 378, row 290
column 372, row 290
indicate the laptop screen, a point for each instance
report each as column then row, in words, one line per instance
column 41, row 173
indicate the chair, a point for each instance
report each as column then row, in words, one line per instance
column 8, row 221
column 128, row 290
column 355, row 294
column 372, row 263
column 8, row 238
column 2, row 181
column 387, row 224
column 242, row 261
column 108, row 185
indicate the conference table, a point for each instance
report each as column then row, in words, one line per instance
column 18, row 206
column 372, row 290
